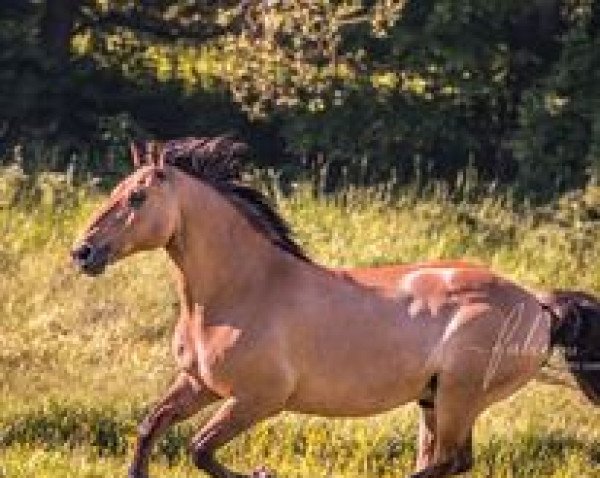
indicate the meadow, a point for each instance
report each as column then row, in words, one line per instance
column 81, row 359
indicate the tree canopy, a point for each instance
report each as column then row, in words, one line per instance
column 508, row 87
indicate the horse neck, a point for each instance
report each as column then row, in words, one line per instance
column 217, row 255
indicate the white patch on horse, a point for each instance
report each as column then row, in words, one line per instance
column 447, row 275
column 426, row 303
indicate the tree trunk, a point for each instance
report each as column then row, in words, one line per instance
column 56, row 28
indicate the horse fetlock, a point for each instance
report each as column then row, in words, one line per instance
column 201, row 457
column 135, row 472
column 462, row 464
column 462, row 467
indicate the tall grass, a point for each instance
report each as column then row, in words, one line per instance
column 81, row 359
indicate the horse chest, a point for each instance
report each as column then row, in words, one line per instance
column 209, row 353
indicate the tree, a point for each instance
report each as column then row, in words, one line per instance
column 412, row 86
column 50, row 91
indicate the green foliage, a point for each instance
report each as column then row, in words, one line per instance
column 410, row 88
column 558, row 141
column 437, row 87
column 71, row 71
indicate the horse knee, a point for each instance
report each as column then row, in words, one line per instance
column 156, row 419
column 144, row 429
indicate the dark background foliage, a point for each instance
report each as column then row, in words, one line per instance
column 365, row 89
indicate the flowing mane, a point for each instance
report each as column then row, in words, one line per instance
column 216, row 161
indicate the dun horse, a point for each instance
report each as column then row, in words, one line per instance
column 264, row 329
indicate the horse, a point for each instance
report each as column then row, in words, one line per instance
column 264, row 329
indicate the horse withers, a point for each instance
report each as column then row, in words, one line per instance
column 264, row 329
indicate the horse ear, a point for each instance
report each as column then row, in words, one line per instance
column 154, row 154
column 136, row 156
column 160, row 160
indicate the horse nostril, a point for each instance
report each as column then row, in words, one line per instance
column 83, row 253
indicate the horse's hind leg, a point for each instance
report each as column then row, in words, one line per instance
column 445, row 439
column 184, row 398
column 463, row 459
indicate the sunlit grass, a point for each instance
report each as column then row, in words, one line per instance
column 81, row 359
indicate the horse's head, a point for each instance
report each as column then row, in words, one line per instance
column 142, row 213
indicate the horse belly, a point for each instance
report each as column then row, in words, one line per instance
column 355, row 382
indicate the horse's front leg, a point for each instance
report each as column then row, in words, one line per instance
column 184, row 398
column 235, row 416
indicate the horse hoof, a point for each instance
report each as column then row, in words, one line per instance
column 262, row 472
column 136, row 474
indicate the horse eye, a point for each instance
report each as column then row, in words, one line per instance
column 137, row 198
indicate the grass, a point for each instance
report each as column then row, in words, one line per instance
column 81, row 359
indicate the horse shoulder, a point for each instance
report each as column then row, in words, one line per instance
column 237, row 354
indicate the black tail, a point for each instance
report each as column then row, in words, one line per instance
column 577, row 330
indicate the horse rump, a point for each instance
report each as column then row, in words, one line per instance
column 577, row 331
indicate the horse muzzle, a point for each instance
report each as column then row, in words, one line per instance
column 90, row 259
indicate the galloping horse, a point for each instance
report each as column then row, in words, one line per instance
column 264, row 329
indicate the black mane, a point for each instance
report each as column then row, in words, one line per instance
column 216, row 161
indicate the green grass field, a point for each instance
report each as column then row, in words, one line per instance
column 81, row 359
